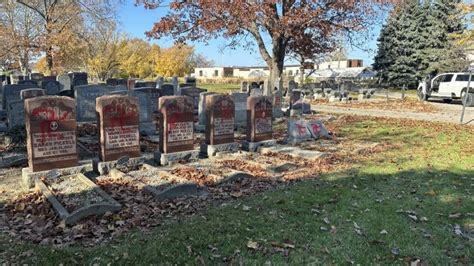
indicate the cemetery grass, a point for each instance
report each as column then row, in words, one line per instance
column 413, row 201
column 219, row 88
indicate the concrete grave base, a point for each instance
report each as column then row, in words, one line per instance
column 28, row 177
column 168, row 158
column 212, row 150
column 109, row 205
column 292, row 151
column 253, row 146
column 104, row 168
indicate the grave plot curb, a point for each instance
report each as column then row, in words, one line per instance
column 184, row 189
column 94, row 209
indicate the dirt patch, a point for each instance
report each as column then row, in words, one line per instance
column 392, row 105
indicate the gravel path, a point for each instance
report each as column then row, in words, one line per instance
column 449, row 113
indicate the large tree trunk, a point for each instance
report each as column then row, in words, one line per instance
column 277, row 61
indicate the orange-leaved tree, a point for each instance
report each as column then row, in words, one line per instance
column 276, row 27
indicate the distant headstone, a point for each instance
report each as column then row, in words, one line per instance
column 145, row 84
column 78, row 79
column 111, row 82
column 15, row 77
column 295, row 95
column 254, row 85
column 317, row 129
column 15, row 113
column 37, row 77
column 52, row 87
column 122, row 82
column 256, row 92
column 190, row 80
column 202, row 107
column 48, row 78
column 28, row 82
column 244, row 86
column 51, row 133
column 176, row 91
column 267, row 89
column 240, row 104
column 277, row 100
column 259, row 118
column 31, row 93
column 177, row 127
column 148, row 104
column 159, row 82
column 194, row 94
column 292, row 85
column 130, row 84
column 3, row 78
column 12, row 93
column 118, row 122
column 167, row 90
column 64, row 82
column 85, row 100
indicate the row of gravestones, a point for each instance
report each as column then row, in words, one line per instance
column 51, row 128
column 75, row 85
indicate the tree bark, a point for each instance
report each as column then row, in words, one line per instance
column 49, row 59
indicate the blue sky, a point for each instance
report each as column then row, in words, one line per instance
column 135, row 20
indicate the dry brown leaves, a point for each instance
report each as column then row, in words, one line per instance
column 195, row 175
column 245, row 167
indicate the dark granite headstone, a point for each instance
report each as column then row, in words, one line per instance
column 52, row 87
column 85, row 101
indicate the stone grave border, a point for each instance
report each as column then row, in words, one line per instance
column 94, row 209
column 29, row 177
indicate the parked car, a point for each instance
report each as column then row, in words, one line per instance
column 447, row 86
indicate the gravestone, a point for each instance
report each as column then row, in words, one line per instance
column 259, row 123
column 52, row 87
column 256, row 92
column 118, row 122
column 119, row 88
column 31, row 93
column 78, row 79
column 176, row 91
column 122, row 82
column 3, row 78
column 167, row 90
column 277, row 100
column 148, row 104
column 194, row 94
column 292, row 85
column 85, row 100
column 130, row 84
column 240, row 104
column 254, row 85
column 176, row 130
column 190, row 80
column 111, row 82
column 15, row 113
column 64, row 82
column 244, row 86
column 297, row 131
column 15, row 77
column 317, row 129
column 28, row 82
column 202, row 109
column 220, row 111
column 145, row 84
column 12, row 93
column 159, row 82
column 37, row 77
column 295, row 95
column 51, row 133
column 48, row 78
column 267, row 89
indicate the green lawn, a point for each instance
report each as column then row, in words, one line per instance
column 220, row 88
column 359, row 215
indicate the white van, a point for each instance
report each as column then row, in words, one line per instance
column 447, row 86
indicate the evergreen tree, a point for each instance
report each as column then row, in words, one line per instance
column 417, row 40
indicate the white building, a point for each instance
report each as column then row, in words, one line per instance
column 262, row 72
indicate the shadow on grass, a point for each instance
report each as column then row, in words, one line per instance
column 348, row 216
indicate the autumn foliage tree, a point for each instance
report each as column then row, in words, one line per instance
column 277, row 27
